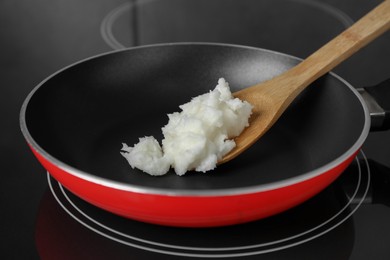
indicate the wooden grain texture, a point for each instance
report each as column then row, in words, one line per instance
column 271, row 98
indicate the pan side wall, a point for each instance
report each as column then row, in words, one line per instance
column 194, row 211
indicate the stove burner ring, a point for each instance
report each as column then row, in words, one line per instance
column 104, row 229
column 107, row 24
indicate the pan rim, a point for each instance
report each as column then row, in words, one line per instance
column 192, row 192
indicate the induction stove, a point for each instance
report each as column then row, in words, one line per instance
column 43, row 220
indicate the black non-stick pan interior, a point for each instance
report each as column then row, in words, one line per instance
column 81, row 115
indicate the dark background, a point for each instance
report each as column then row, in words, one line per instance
column 40, row 37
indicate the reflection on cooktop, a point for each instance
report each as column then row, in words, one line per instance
column 65, row 221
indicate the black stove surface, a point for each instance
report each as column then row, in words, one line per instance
column 40, row 219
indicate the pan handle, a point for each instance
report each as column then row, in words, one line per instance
column 377, row 98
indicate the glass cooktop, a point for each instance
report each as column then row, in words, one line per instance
column 42, row 220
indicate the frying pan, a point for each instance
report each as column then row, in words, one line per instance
column 76, row 120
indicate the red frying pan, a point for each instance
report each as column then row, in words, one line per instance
column 76, row 120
